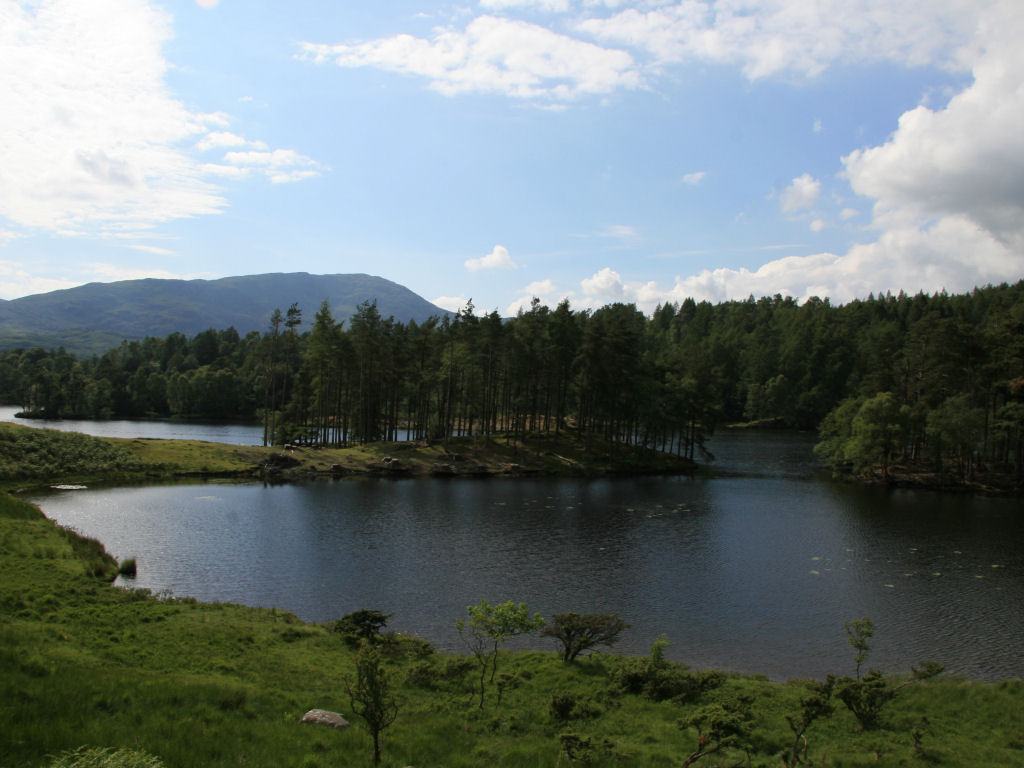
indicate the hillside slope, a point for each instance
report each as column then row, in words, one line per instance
column 92, row 318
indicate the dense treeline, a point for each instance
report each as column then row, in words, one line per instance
column 937, row 377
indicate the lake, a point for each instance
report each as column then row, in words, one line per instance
column 235, row 434
column 753, row 570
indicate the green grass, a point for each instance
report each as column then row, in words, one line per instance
column 83, row 664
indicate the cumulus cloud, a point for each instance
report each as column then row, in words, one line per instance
column 790, row 36
column 606, row 283
column 695, row 178
column 545, row 290
column 802, row 193
column 16, row 281
column 965, row 160
column 494, row 55
column 92, row 139
column 498, row 258
column 555, row 6
column 451, row 303
column 223, row 139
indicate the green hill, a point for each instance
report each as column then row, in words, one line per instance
column 95, row 317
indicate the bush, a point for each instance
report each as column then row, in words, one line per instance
column 566, row 705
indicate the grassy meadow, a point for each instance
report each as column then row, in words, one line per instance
column 85, row 664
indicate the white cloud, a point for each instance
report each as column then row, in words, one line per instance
column 154, row 249
column 555, row 6
column 16, row 281
column 451, row 303
column 494, row 55
column 817, row 126
column 92, row 139
column 695, row 178
column 848, row 213
column 90, row 132
column 619, row 232
column 541, row 288
column 964, row 160
column 498, row 258
column 222, row 139
column 769, row 37
column 605, row 283
column 817, row 225
column 955, row 255
column 207, row 3
column 801, row 193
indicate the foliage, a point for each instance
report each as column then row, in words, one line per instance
column 858, row 633
column 888, row 380
column 720, row 726
column 364, row 625
column 371, row 697
column 659, row 679
column 816, row 705
column 867, row 696
column 581, row 632
column 488, row 627
column 27, row 453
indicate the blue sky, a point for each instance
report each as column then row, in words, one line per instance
column 600, row 150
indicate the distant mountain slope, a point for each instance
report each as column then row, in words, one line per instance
column 94, row 317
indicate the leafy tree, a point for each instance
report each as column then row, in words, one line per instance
column 370, row 695
column 866, row 697
column 488, row 627
column 858, row 633
column 362, row 625
column 578, row 633
column 720, row 726
column 876, row 433
column 816, row 705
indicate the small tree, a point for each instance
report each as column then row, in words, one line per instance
column 488, row 627
column 371, row 696
column 857, row 634
column 817, row 704
column 867, row 697
column 720, row 726
column 579, row 633
column 361, row 625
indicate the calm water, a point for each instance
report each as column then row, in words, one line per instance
column 748, row 572
column 235, row 434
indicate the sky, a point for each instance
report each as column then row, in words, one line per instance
column 597, row 150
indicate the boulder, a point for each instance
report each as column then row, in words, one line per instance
column 325, row 717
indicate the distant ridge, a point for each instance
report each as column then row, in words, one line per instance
column 92, row 318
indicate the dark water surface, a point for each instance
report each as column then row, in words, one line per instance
column 753, row 571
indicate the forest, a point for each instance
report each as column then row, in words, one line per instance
column 936, row 379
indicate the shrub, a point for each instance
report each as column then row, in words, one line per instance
column 578, row 633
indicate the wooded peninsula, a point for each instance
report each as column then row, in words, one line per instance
column 896, row 385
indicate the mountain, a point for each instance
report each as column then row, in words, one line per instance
column 93, row 318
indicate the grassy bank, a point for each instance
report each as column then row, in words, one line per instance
column 84, row 663
column 38, row 456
